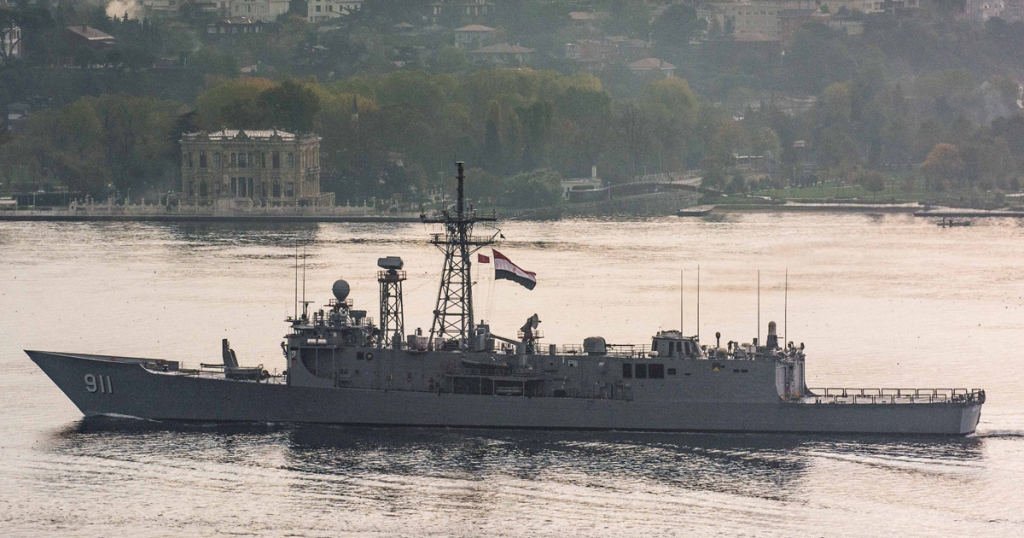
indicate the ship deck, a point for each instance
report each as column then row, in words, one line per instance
column 866, row 396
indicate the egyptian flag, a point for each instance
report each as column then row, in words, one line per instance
column 505, row 269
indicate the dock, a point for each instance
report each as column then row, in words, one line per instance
column 21, row 216
column 968, row 213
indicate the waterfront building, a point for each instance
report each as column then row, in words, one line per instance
column 239, row 169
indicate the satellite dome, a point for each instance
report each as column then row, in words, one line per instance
column 341, row 290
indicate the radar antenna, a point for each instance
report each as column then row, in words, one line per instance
column 453, row 316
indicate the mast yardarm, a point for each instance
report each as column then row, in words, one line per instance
column 453, row 316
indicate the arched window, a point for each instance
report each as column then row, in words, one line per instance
column 252, row 163
column 202, row 159
column 277, row 190
column 202, row 184
column 241, row 160
column 291, row 160
column 216, row 160
column 263, row 160
column 233, row 161
column 277, row 160
column 191, row 164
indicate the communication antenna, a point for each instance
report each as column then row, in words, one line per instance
column 785, row 314
column 305, row 305
column 759, row 307
column 698, row 303
column 682, row 319
column 296, row 302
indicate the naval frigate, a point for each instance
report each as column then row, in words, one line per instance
column 342, row 368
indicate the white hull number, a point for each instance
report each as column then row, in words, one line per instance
column 98, row 383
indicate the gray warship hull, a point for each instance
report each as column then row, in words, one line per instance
column 344, row 369
column 118, row 386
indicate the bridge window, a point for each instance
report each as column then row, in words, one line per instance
column 627, row 370
column 656, row 371
column 641, row 371
column 671, row 371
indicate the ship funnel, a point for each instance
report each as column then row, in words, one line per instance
column 773, row 337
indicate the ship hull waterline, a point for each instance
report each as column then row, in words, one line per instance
column 138, row 392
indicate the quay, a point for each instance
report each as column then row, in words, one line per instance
column 312, row 217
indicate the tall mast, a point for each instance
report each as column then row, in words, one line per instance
column 453, row 316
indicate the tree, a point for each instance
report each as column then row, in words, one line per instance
column 290, row 106
column 943, row 167
column 873, row 182
column 539, row 188
column 676, row 26
column 233, row 103
column 492, row 153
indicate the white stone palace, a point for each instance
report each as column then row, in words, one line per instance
column 239, row 169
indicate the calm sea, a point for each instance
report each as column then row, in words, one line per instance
column 880, row 301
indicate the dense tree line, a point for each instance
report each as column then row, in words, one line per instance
column 930, row 94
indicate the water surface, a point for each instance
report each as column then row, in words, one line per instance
column 880, row 301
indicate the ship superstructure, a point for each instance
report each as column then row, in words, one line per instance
column 342, row 368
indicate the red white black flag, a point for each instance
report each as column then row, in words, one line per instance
column 504, row 269
column 482, row 258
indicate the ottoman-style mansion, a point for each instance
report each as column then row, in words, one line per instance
column 238, row 169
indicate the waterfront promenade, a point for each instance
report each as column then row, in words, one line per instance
column 161, row 214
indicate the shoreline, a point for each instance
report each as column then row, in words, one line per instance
column 599, row 210
column 173, row 217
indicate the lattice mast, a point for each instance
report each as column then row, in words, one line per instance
column 453, row 316
column 392, row 313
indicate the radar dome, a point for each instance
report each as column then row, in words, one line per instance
column 341, row 290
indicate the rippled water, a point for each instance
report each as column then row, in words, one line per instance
column 879, row 301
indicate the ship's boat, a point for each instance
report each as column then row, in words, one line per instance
column 343, row 368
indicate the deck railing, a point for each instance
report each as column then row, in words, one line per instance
column 613, row 350
column 893, row 396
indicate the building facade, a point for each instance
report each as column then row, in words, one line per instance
column 503, row 54
column 325, row 10
column 260, row 10
column 10, row 41
column 474, row 35
column 232, row 27
column 238, row 169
